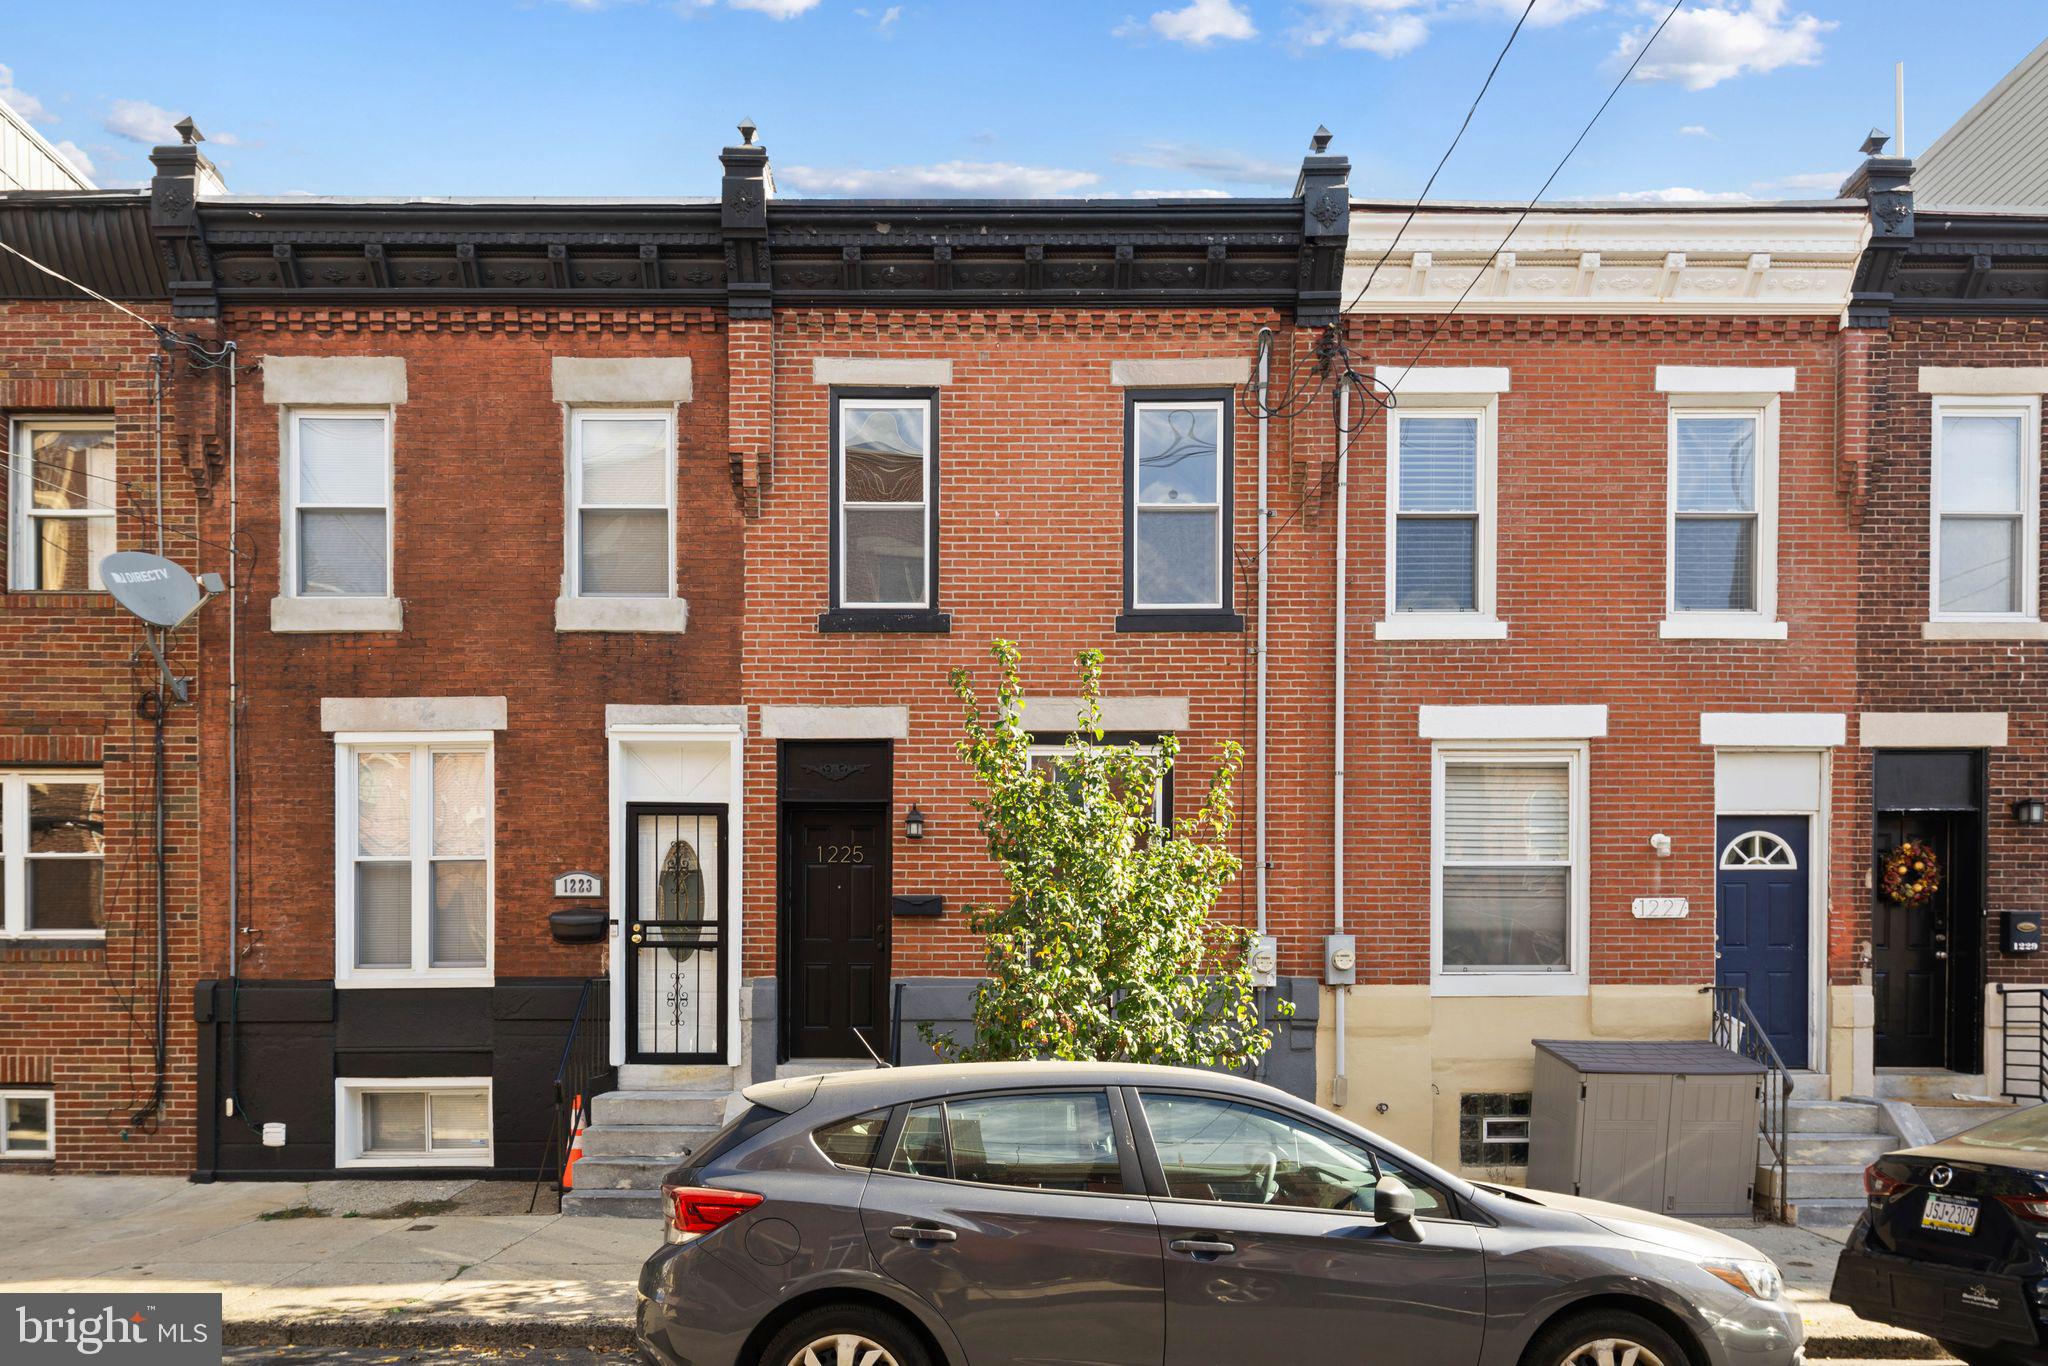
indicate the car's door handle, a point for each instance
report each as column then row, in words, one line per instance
column 1203, row 1247
column 923, row 1233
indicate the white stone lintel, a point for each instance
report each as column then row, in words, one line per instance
column 1060, row 715
column 1931, row 729
column 1774, row 729
column 618, row 715
column 332, row 616
column 339, row 381
column 1726, row 379
column 779, row 722
column 653, row 380
column 385, row 714
column 2018, row 381
column 669, row 616
column 1580, row 722
column 881, row 373
column 1185, row 372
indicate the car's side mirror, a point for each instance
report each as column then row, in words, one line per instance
column 1392, row 1202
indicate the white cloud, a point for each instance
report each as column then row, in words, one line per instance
column 1679, row 194
column 75, row 154
column 1709, row 43
column 1547, row 12
column 1232, row 168
column 1395, row 28
column 1822, row 184
column 776, row 9
column 141, row 121
column 1201, row 22
column 23, row 103
column 1395, row 36
column 976, row 179
column 1696, row 130
column 1180, row 194
column 889, row 16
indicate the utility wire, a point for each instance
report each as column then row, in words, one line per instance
column 23, row 460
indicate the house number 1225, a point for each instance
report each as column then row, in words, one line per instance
column 842, row 853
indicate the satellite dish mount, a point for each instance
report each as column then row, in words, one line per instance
column 163, row 596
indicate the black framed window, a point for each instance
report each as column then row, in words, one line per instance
column 885, row 511
column 1177, row 512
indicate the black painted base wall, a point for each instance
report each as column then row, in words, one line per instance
column 296, row 1038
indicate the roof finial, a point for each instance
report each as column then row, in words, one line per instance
column 188, row 131
column 1874, row 144
column 1320, row 143
column 747, row 131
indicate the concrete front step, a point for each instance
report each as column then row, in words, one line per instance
column 1833, row 1117
column 673, row 1141
column 650, row 1076
column 1946, row 1121
column 633, row 1204
column 1926, row 1083
column 1828, row 1212
column 694, row 1108
column 1814, row 1181
column 1836, row 1150
column 622, row 1173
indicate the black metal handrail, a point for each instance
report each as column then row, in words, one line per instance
column 585, row 1069
column 2024, row 1027
column 1736, row 1029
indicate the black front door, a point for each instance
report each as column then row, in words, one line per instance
column 836, row 913
column 1913, row 949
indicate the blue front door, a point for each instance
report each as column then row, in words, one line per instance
column 1762, row 938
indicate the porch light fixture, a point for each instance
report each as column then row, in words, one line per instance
column 913, row 823
column 2030, row 811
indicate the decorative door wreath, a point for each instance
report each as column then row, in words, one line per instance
column 1912, row 875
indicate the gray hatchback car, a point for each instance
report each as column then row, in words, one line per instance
column 1119, row 1215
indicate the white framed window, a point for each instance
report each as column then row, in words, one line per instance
column 28, row 1124
column 412, row 1122
column 62, row 493
column 1441, row 530
column 622, row 489
column 337, row 481
column 1178, row 473
column 53, row 838
column 1721, row 523
column 1984, row 550
column 884, row 532
column 1508, row 869
column 413, row 870
column 1049, row 755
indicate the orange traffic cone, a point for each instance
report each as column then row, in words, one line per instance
column 575, row 1145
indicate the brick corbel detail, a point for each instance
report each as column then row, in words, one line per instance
column 750, row 420
column 1865, row 412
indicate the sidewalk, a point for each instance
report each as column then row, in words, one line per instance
column 368, row 1263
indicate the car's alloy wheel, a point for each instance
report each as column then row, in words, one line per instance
column 1608, row 1352
column 843, row 1349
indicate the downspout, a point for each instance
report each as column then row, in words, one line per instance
column 234, row 1093
column 1259, row 686
column 1339, row 1082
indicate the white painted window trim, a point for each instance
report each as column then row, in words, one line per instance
column 1483, row 622
column 1138, row 407
column 1578, row 904
column 348, row 1122
column 288, row 501
column 423, row 745
column 2028, row 410
column 572, row 538
column 848, row 404
column 14, row 855
column 1761, row 623
column 42, row 1154
column 1160, row 815
column 23, row 559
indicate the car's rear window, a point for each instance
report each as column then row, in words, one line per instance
column 853, row 1142
column 738, row 1131
column 2027, row 1131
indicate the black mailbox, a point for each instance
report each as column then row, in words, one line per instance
column 578, row 927
column 917, row 905
column 2022, row 931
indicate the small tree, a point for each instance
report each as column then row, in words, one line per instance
column 1106, row 949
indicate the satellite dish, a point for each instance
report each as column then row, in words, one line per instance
column 155, row 589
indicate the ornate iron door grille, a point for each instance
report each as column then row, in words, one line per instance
column 676, row 910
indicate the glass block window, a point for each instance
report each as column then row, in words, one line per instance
column 884, row 518
column 1493, row 1129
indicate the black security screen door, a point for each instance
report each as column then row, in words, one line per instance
column 676, row 939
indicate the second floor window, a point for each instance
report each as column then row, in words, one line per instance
column 622, row 487
column 884, row 522
column 1179, row 462
column 339, row 486
column 415, row 870
column 63, row 499
column 1986, row 483
column 1716, row 504
column 1438, row 509
column 53, row 833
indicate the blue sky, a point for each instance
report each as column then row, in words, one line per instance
column 1758, row 98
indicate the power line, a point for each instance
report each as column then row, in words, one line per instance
column 24, row 460
column 1427, row 185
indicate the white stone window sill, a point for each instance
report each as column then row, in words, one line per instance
column 666, row 615
column 2016, row 628
column 370, row 979
column 1508, row 984
column 289, row 615
column 1722, row 628
column 1440, row 626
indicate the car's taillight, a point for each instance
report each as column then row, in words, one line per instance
column 697, row 1210
column 1877, row 1185
column 2030, row 1207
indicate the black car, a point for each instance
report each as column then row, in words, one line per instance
column 1954, row 1243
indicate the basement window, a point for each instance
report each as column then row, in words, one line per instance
column 53, row 830
column 413, row 1122
column 1493, row 1129
column 28, row 1129
column 62, row 494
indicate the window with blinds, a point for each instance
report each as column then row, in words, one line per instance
column 1437, row 512
column 340, row 492
column 1506, row 865
column 424, row 1122
column 419, row 859
column 1715, row 513
column 1986, row 497
column 622, row 486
